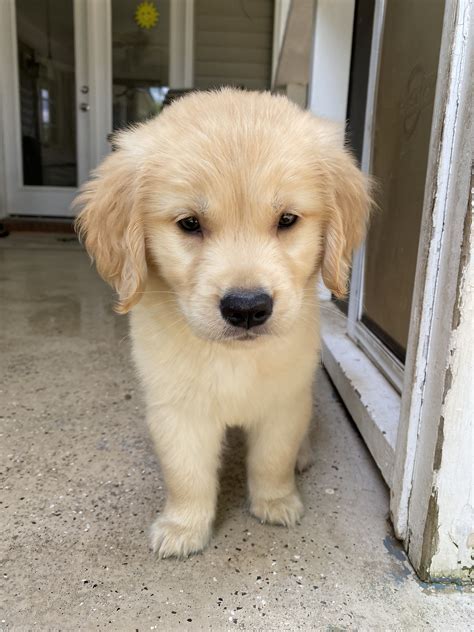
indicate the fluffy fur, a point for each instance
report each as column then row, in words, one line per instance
column 237, row 161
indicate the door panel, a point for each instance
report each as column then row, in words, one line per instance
column 403, row 118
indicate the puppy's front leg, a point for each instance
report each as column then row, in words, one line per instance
column 188, row 448
column 273, row 450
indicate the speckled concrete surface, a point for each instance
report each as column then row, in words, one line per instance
column 80, row 486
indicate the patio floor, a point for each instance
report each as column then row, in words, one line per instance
column 80, row 486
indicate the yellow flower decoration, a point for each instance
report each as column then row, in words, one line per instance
column 146, row 15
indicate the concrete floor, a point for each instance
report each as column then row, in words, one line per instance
column 80, row 487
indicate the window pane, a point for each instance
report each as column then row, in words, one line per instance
column 140, row 59
column 45, row 35
column 403, row 116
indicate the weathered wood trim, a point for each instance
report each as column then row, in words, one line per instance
column 452, row 520
column 413, row 504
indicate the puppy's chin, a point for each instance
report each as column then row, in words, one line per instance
column 219, row 331
column 246, row 337
column 230, row 335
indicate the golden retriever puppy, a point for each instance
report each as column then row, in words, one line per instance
column 212, row 222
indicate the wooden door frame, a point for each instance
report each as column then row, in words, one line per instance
column 407, row 434
column 446, row 228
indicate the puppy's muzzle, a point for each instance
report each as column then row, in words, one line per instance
column 246, row 308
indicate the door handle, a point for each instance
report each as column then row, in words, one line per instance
column 85, row 107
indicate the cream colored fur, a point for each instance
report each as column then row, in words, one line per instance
column 236, row 161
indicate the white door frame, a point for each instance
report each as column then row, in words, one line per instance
column 419, row 515
column 408, row 434
column 99, row 63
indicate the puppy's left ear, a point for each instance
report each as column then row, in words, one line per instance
column 111, row 226
column 348, row 206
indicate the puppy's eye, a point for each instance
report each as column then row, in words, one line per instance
column 190, row 224
column 287, row 220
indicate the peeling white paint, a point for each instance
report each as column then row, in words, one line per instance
column 420, row 516
column 454, row 481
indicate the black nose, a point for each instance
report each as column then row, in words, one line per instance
column 246, row 308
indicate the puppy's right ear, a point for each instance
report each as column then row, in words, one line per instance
column 110, row 225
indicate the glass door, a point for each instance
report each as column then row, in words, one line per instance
column 398, row 122
column 47, row 104
column 403, row 119
column 140, row 62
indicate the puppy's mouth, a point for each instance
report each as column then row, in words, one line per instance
column 244, row 335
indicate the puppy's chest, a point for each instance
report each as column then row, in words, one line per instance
column 240, row 386
column 235, row 375
column 234, row 387
column 208, row 379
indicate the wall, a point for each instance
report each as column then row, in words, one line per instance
column 233, row 43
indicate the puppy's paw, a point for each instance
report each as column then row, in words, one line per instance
column 170, row 538
column 286, row 511
column 305, row 457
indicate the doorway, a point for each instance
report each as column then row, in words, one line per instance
column 45, row 104
column 73, row 71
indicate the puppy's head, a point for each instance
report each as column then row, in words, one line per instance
column 236, row 200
